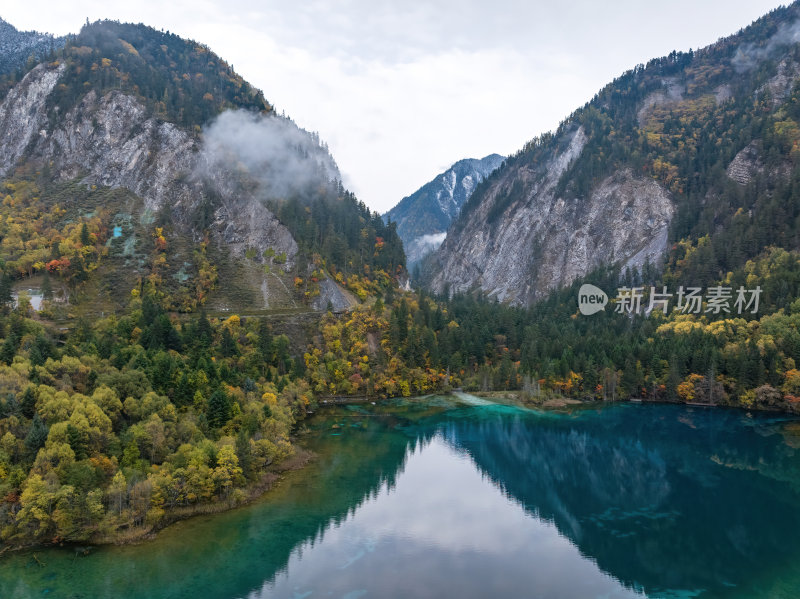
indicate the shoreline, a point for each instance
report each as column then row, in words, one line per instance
column 516, row 397
column 253, row 492
column 566, row 402
column 303, row 456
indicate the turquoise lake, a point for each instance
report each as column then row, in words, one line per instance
column 458, row 497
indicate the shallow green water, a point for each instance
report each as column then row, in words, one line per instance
column 446, row 497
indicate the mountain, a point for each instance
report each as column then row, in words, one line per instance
column 690, row 158
column 178, row 168
column 142, row 179
column 17, row 47
column 424, row 217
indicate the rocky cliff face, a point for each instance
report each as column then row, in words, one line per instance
column 198, row 191
column 543, row 241
column 424, row 217
column 646, row 163
column 111, row 140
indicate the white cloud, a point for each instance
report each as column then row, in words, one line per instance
column 401, row 90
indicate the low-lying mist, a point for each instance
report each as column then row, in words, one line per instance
column 274, row 152
column 749, row 55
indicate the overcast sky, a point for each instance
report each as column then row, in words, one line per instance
column 402, row 89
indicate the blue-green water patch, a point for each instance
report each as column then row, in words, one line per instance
column 441, row 497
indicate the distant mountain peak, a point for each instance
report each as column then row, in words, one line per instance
column 424, row 216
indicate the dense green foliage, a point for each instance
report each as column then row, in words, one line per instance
column 179, row 80
column 114, row 426
column 415, row 344
column 350, row 239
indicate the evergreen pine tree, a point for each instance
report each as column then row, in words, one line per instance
column 37, row 435
column 220, row 408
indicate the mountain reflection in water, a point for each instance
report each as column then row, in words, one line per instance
column 436, row 497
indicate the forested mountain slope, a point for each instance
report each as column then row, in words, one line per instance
column 199, row 154
column 691, row 157
column 18, row 48
column 143, row 182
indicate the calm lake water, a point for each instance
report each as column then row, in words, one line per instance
column 456, row 497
